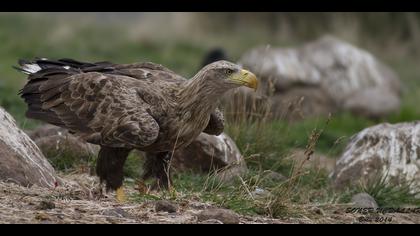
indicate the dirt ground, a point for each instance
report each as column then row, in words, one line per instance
column 76, row 202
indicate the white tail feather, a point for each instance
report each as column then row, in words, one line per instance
column 31, row 68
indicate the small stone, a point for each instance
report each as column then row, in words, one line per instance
column 47, row 222
column 260, row 193
column 364, row 200
column 166, row 206
column 317, row 211
column 223, row 215
column 46, row 205
column 117, row 212
column 80, row 210
column 42, row 216
column 211, row 222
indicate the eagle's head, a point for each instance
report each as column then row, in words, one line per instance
column 201, row 94
column 224, row 75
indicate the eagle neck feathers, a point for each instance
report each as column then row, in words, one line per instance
column 197, row 99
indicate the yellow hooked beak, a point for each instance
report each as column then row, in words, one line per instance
column 246, row 78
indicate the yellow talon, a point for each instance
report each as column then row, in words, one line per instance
column 121, row 195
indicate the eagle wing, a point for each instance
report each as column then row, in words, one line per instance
column 97, row 106
column 56, row 75
column 216, row 123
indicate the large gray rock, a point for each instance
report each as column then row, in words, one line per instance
column 45, row 131
column 56, row 142
column 66, row 144
column 208, row 153
column 385, row 150
column 21, row 161
column 372, row 102
column 343, row 74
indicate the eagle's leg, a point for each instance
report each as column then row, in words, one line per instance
column 157, row 165
column 109, row 168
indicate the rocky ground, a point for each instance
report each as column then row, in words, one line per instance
column 78, row 201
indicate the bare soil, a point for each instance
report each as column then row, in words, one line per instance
column 79, row 201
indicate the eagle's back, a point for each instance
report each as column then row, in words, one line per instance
column 115, row 105
column 106, row 103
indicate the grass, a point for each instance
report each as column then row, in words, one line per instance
column 266, row 145
column 65, row 160
column 386, row 194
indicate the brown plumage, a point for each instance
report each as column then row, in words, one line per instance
column 121, row 107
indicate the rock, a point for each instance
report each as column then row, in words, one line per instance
column 58, row 142
column 166, row 206
column 382, row 151
column 330, row 74
column 211, row 221
column 45, row 131
column 372, row 102
column 117, row 212
column 317, row 211
column 41, row 216
column 363, row 200
column 209, row 152
column 260, row 193
column 46, row 205
column 229, row 174
column 223, row 215
column 66, row 144
column 21, row 161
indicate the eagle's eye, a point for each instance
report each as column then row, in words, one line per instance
column 229, row 71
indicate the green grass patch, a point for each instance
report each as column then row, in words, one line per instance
column 386, row 193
